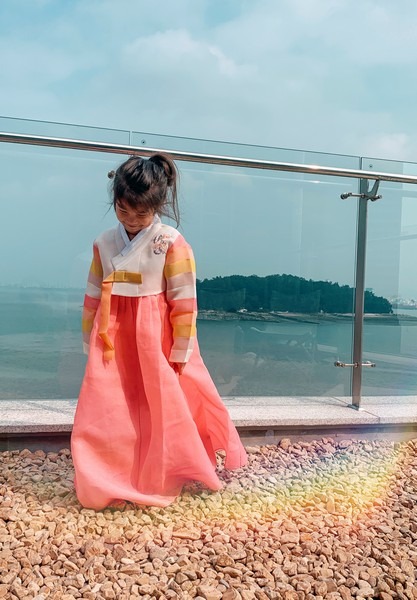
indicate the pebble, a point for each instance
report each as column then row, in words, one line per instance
column 322, row 519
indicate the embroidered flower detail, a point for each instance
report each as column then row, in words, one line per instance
column 160, row 243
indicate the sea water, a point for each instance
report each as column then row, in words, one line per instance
column 41, row 350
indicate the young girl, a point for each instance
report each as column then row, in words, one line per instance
column 149, row 418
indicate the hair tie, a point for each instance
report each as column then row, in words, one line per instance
column 111, row 174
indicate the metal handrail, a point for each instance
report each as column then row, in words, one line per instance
column 38, row 140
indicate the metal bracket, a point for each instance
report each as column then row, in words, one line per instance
column 367, row 363
column 367, row 194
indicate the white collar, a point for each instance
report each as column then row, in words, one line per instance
column 130, row 243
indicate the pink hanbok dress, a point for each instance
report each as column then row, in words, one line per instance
column 141, row 431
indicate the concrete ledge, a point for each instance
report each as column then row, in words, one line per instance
column 48, row 423
column 36, row 416
column 293, row 416
column 32, row 415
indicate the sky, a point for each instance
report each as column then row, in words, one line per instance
column 330, row 76
column 323, row 75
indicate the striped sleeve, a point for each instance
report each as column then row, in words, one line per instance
column 181, row 296
column 92, row 297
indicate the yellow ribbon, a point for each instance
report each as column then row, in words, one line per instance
column 106, row 289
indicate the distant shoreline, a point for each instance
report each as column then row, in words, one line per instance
column 282, row 317
column 246, row 315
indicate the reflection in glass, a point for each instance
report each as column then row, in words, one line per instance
column 252, row 151
column 391, row 340
column 275, row 261
column 274, row 251
column 55, row 202
column 64, row 130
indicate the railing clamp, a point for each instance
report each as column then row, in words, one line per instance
column 355, row 365
column 371, row 195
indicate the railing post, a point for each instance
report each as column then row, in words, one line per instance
column 359, row 293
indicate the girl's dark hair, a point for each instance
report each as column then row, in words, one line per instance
column 149, row 183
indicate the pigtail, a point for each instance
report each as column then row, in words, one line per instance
column 168, row 166
column 165, row 162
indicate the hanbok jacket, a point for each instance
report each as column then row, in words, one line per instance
column 157, row 261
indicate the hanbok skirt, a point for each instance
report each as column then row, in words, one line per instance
column 141, row 431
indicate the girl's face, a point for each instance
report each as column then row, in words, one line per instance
column 133, row 219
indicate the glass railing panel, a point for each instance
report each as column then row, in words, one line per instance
column 390, row 340
column 55, row 202
column 252, row 151
column 275, row 259
column 274, row 329
column 64, row 130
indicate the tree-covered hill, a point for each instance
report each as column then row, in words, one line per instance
column 282, row 293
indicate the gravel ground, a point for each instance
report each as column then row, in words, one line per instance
column 320, row 519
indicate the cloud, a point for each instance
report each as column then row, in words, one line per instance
column 394, row 145
column 176, row 57
column 311, row 74
column 163, row 52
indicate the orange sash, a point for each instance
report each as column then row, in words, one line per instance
column 106, row 289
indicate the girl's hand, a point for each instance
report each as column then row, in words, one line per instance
column 178, row 367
